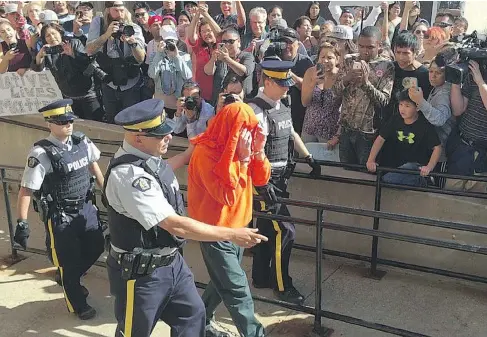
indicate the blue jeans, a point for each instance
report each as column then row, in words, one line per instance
column 405, row 178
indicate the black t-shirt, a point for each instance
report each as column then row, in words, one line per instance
column 402, row 76
column 411, row 143
column 301, row 64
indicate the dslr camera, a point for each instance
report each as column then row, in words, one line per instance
column 274, row 45
column 190, row 103
column 123, row 29
column 171, row 46
column 473, row 47
column 94, row 70
column 54, row 49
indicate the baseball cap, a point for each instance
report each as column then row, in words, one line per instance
column 289, row 34
column 154, row 19
column 110, row 4
column 11, row 8
column 342, row 32
column 85, row 4
column 48, row 16
column 170, row 17
column 168, row 33
column 279, row 23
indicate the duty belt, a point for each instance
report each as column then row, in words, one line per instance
column 72, row 205
column 141, row 263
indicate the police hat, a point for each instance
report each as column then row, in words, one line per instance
column 147, row 116
column 58, row 111
column 279, row 71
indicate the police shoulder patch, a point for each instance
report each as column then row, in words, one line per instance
column 32, row 162
column 142, row 184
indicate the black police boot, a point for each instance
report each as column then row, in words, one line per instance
column 262, row 285
column 57, row 277
column 85, row 291
column 210, row 331
column 290, row 295
column 86, row 313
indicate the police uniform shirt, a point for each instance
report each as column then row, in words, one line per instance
column 263, row 120
column 136, row 194
column 39, row 164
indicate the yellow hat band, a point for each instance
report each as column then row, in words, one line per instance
column 280, row 75
column 57, row 111
column 150, row 124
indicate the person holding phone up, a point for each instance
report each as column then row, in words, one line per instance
column 14, row 53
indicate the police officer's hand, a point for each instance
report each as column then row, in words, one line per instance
column 112, row 28
column 316, row 168
column 244, row 146
column 247, row 237
column 22, row 233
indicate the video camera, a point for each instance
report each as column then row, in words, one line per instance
column 123, row 29
column 472, row 47
column 274, row 44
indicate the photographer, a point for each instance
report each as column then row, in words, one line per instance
column 467, row 145
column 169, row 68
column 80, row 25
column 14, row 53
column 121, row 49
column 67, row 60
column 232, row 92
column 192, row 113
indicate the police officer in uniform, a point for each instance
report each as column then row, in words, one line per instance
column 148, row 276
column 270, row 268
column 58, row 173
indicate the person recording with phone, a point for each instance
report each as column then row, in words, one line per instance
column 193, row 112
column 169, row 68
column 66, row 58
column 80, row 25
column 14, row 53
column 120, row 48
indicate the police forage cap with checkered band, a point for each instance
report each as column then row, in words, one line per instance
column 147, row 116
column 278, row 70
column 58, row 111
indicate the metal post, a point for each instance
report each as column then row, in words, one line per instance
column 9, row 214
column 318, row 329
column 374, row 273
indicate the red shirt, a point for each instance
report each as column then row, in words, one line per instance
column 202, row 55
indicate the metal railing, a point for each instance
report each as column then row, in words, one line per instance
column 320, row 224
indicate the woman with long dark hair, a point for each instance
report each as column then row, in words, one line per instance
column 313, row 12
column 14, row 53
column 71, row 67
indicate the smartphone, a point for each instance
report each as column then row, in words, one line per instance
column 319, row 68
column 221, row 46
column 357, row 66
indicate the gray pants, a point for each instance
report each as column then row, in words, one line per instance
column 229, row 284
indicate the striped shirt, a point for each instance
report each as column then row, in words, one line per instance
column 473, row 124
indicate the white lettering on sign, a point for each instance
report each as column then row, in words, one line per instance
column 76, row 165
column 285, row 124
column 24, row 95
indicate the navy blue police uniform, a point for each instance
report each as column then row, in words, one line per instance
column 270, row 266
column 148, row 276
column 58, row 174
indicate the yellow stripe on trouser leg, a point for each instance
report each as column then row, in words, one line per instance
column 262, row 203
column 129, row 308
column 56, row 263
column 280, row 283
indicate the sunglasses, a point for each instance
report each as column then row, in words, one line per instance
column 62, row 123
column 140, row 15
column 229, row 41
column 442, row 24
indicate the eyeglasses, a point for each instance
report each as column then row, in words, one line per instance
column 62, row 123
column 229, row 41
column 140, row 15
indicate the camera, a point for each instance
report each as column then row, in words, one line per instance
column 54, row 49
column 94, row 69
column 274, row 45
column 228, row 99
column 473, row 47
column 170, row 45
column 190, row 103
column 12, row 46
column 123, row 29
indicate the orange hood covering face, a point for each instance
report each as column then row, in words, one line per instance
column 222, row 137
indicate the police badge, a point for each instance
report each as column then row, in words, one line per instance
column 32, row 162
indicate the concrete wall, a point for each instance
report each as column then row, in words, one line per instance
column 15, row 142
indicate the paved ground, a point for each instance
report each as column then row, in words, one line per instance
column 32, row 305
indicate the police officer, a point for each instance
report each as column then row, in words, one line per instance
column 58, row 172
column 270, row 267
column 148, row 276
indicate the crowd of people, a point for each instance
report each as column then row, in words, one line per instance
column 350, row 74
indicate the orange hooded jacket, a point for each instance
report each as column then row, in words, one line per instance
column 219, row 187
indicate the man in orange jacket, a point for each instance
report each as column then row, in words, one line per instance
column 227, row 160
